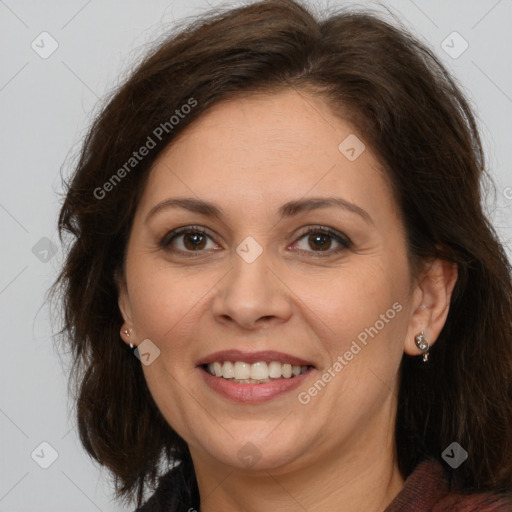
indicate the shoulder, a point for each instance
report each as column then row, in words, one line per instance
column 426, row 489
column 484, row 502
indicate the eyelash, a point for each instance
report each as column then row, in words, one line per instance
column 345, row 242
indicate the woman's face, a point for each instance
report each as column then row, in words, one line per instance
column 277, row 278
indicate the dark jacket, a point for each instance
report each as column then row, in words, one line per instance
column 425, row 490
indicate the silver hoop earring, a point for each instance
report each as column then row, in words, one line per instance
column 422, row 344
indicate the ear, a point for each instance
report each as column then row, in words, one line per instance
column 124, row 308
column 431, row 303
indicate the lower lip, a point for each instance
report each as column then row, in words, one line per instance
column 253, row 393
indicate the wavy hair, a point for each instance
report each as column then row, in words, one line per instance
column 417, row 120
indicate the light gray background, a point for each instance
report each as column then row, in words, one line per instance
column 46, row 105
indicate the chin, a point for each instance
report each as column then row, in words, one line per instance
column 252, row 451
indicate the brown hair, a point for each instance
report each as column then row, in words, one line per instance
column 416, row 119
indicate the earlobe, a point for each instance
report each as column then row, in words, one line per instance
column 432, row 304
column 126, row 333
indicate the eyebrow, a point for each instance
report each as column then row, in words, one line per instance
column 289, row 209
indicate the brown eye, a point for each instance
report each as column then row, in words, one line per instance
column 194, row 241
column 318, row 240
column 186, row 240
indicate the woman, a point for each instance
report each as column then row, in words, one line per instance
column 281, row 219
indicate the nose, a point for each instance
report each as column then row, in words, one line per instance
column 252, row 296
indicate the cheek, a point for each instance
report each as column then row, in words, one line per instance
column 366, row 313
column 163, row 298
column 358, row 298
column 165, row 307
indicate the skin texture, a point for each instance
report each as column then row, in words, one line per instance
column 250, row 156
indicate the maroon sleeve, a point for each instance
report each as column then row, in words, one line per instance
column 474, row 503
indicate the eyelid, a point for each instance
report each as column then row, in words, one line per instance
column 338, row 236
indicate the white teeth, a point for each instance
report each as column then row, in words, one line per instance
column 286, row 372
column 228, row 370
column 217, row 368
column 274, row 370
column 242, row 370
column 260, row 372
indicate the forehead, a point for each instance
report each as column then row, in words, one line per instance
column 268, row 149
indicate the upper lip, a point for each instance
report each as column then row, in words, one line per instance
column 253, row 357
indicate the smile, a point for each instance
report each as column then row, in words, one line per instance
column 260, row 372
column 253, row 377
